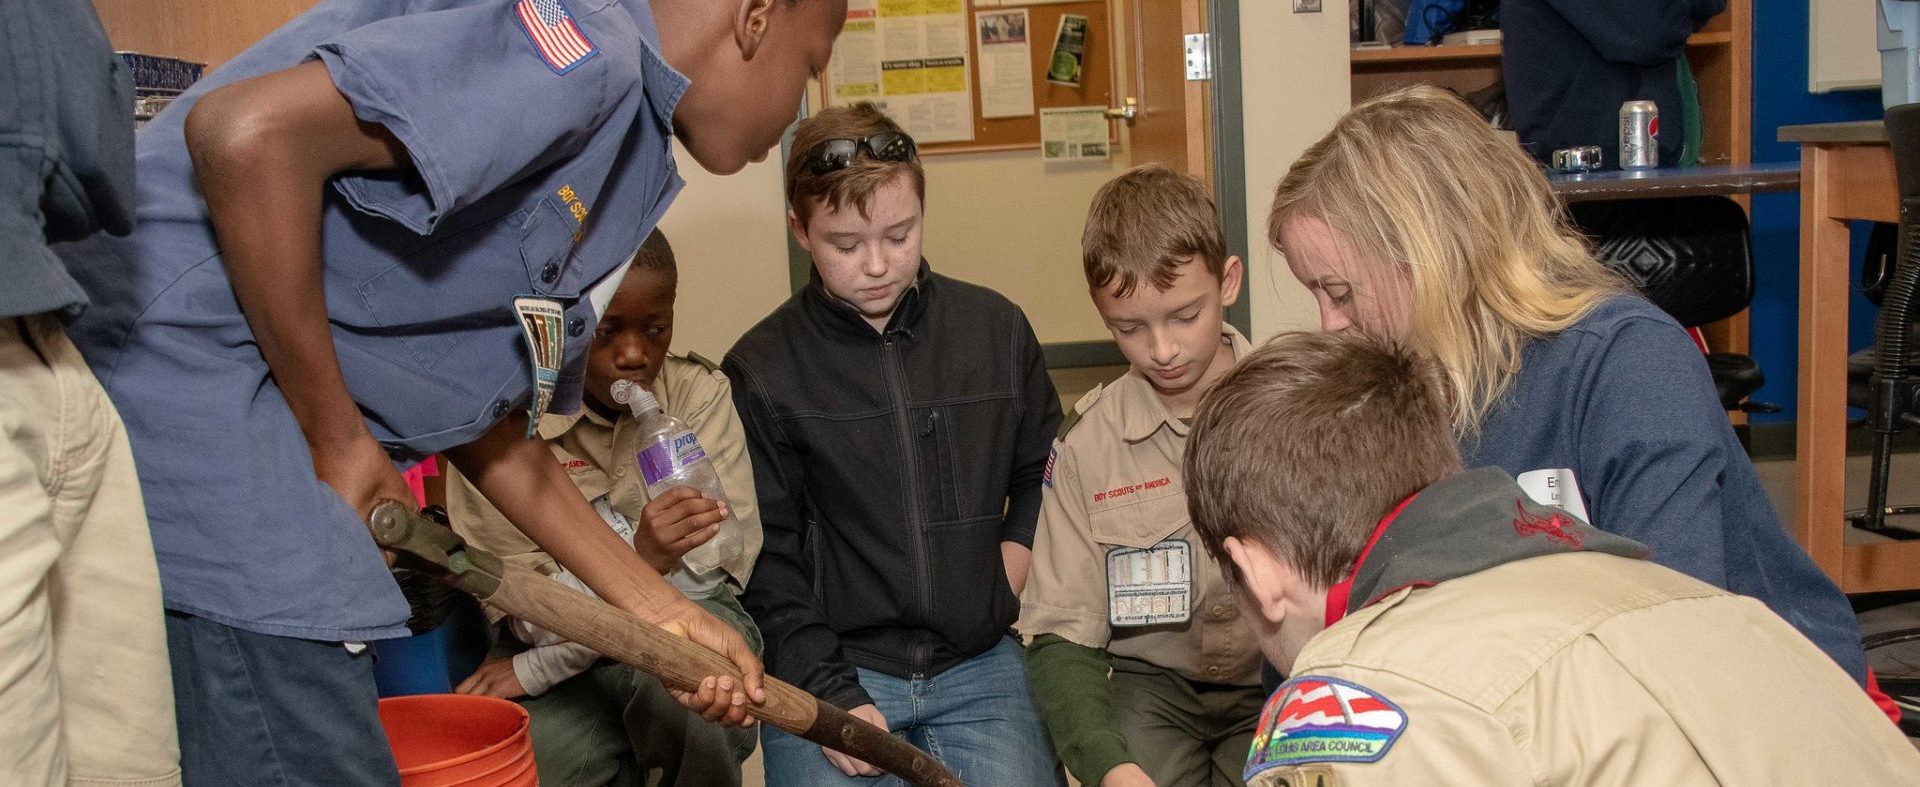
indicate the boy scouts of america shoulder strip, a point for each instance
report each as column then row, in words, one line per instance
column 555, row 36
column 708, row 365
column 1080, row 409
column 1315, row 719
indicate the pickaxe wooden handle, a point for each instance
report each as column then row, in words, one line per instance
column 678, row 663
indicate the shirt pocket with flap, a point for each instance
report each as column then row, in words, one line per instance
column 1155, row 514
column 441, row 295
column 547, row 241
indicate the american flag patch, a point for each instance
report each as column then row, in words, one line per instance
column 551, row 29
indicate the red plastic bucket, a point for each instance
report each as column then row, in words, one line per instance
column 459, row 740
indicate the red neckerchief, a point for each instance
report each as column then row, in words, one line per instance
column 1338, row 595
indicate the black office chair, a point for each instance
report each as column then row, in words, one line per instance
column 1693, row 258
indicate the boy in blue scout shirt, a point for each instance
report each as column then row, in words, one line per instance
column 374, row 236
column 898, row 424
column 1442, row 627
column 1139, row 662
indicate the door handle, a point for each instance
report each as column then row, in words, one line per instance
column 1127, row 112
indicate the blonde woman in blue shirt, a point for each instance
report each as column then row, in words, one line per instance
column 1414, row 220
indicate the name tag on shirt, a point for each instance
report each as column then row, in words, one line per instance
column 1152, row 586
column 1555, row 486
column 619, row 522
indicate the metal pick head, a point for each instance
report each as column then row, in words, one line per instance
column 622, row 390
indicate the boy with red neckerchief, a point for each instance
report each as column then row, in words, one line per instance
column 1441, row 626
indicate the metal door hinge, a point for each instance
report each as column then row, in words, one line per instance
column 1199, row 57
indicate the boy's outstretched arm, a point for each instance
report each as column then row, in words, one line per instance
column 521, row 478
column 263, row 150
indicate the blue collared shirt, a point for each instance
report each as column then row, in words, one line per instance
column 1622, row 401
column 66, row 147
column 527, row 178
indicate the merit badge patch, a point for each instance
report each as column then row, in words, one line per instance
column 549, row 25
column 1149, row 587
column 1313, row 719
column 540, row 323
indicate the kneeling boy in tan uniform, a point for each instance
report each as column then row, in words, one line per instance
column 1442, row 628
column 1117, row 582
column 597, row 722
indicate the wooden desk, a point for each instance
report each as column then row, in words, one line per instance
column 1848, row 175
column 1676, row 182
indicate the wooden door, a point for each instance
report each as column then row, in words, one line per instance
column 1173, row 117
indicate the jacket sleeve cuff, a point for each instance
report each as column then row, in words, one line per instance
column 1021, row 536
column 847, row 697
column 1093, row 755
column 1071, row 690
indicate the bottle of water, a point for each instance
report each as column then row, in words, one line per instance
column 670, row 455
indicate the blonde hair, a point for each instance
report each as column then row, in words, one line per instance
column 1146, row 224
column 1418, row 178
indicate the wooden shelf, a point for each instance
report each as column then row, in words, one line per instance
column 1437, row 54
column 1720, row 55
column 1426, row 54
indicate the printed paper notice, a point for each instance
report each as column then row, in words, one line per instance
column 1070, row 133
column 1069, row 51
column 910, row 58
column 1006, row 64
column 854, row 73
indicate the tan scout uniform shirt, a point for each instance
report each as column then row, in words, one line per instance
column 599, row 456
column 1557, row 670
column 1114, row 482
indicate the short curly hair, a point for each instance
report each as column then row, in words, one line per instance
column 1309, row 441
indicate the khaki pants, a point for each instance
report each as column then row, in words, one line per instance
column 1183, row 734
column 84, row 685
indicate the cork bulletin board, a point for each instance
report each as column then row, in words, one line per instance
column 1096, row 77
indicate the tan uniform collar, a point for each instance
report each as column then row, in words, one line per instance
column 1141, row 411
column 1459, row 526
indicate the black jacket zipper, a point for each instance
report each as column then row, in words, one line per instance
column 916, row 516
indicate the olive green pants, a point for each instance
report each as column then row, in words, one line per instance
column 1184, row 734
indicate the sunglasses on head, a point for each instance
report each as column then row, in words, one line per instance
column 837, row 154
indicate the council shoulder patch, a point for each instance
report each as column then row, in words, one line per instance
column 1315, row 719
column 1317, row 775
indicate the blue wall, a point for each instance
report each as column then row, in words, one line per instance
column 1780, row 98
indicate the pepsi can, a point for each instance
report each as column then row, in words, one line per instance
column 1639, row 135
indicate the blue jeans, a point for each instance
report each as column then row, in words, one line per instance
column 976, row 718
column 266, row 711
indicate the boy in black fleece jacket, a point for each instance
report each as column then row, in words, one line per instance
column 899, row 424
